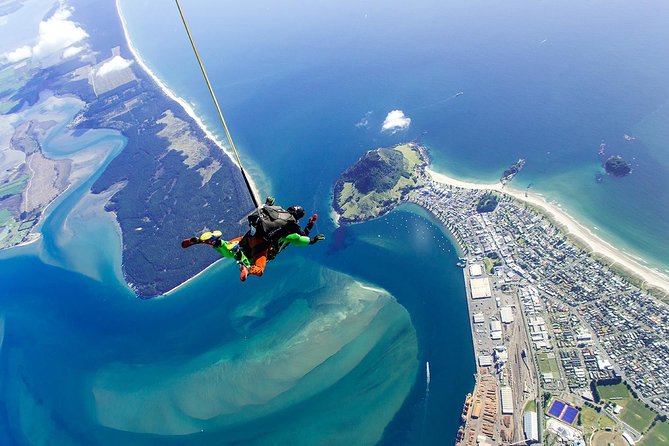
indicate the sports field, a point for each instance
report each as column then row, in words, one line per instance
column 548, row 363
column 614, row 391
column 659, row 434
column 603, row 438
column 634, row 412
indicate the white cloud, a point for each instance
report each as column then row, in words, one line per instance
column 364, row 122
column 395, row 121
column 114, row 64
column 72, row 51
column 57, row 33
column 20, row 53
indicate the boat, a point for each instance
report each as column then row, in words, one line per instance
column 460, row 436
column 427, row 372
column 602, row 149
column 465, row 408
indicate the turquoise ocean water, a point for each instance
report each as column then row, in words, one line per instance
column 307, row 353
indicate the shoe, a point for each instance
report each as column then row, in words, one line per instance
column 210, row 238
column 243, row 273
column 189, row 242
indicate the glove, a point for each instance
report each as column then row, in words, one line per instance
column 317, row 238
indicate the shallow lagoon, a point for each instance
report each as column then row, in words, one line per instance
column 307, row 350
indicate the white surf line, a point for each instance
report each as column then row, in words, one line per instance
column 181, row 101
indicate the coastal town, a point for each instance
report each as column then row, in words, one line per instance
column 568, row 350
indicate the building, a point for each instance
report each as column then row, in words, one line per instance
column 485, row 360
column 475, row 270
column 495, row 330
column 500, row 354
column 507, row 400
column 531, row 427
column 506, row 314
column 480, row 288
column 476, row 410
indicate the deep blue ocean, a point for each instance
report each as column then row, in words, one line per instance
column 330, row 346
column 544, row 81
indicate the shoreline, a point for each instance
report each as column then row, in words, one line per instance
column 75, row 179
column 183, row 284
column 571, row 226
column 179, row 100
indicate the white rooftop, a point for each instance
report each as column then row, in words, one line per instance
column 506, row 314
column 485, row 360
column 480, row 288
column 507, row 400
column 530, row 426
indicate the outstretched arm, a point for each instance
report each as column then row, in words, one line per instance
column 301, row 240
column 310, row 224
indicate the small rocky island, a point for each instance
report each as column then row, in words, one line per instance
column 512, row 171
column 617, row 166
column 378, row 182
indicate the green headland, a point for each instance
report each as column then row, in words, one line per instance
column 378, row 182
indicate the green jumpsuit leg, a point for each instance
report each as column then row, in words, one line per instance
column 227, row 249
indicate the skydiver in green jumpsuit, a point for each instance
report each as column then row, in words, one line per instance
column 256, row 247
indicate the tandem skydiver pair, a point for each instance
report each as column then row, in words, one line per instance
column 272, row 229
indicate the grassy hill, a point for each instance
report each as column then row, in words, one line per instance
column 378, row 181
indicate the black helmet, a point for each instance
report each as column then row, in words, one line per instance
column 296, row 211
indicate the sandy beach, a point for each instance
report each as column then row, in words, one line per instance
column 572, row 226
column 183, row 284
column 169, row 93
